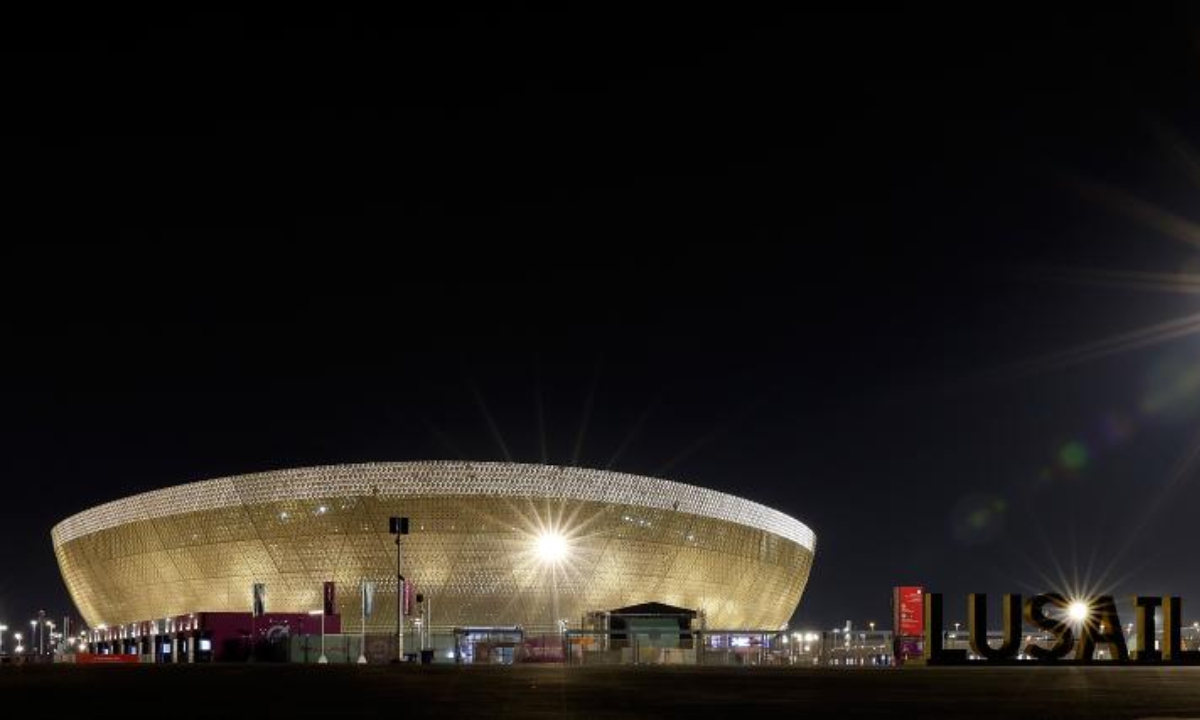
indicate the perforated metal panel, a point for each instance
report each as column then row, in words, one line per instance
column 473, row 548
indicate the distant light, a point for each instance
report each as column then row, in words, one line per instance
column 551, row 547
column 283, row 515
column 321, row 510
column 1078, row 611
column 1073, row 456
column 316, row 612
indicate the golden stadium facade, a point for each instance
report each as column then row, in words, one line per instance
column 491, row 544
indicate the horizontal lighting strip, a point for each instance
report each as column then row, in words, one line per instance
column 432, row 479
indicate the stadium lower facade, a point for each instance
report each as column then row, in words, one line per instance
column 490, row 544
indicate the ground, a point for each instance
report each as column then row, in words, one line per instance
column 285, row 691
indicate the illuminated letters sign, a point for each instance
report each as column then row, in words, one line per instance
column 1073, row 638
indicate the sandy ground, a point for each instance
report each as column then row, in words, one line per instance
column 281, row 691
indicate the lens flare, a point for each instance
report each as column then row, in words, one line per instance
column 551, row 547
column 1078, row 611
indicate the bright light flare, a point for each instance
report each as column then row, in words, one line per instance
column 551, row 547
column 1078, row 611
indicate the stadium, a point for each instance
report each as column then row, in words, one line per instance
column 490, row 544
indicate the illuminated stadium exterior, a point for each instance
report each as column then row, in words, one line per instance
column 496, row 544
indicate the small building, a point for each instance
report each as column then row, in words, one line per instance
column 651, row 624
column 208, row 637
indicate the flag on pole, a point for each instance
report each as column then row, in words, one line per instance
column 260, row 599
column 409, row 589
column 368, row 598
column 328, row 594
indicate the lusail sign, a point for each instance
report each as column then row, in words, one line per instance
column 1075, row 636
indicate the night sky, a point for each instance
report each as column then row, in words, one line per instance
column 902, row 277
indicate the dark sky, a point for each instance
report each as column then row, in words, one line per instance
column 823, row 262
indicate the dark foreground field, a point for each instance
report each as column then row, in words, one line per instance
column 283, row 691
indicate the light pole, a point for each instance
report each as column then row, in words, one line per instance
column 322, row 660
column 367, row 589
column 20, row 648
column 399, row 527
column 427, row 607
